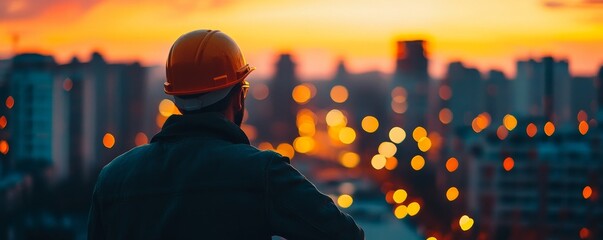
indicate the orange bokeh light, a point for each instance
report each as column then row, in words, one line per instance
column 583, row 127
column 584, row 233
column 531, row 130
column 452, row 193
column 549, row 128
column 108, row 140
column 582, row 116
column 587, row 192
column 417, row 162
column 3, row 122
column 510, row 122
column 508, row 164
column 391, row 163
column 141, row 139
column 339, row 94
column 452, row 164
column 502, row 132
column 67, row 84
column 301, row 94
column 4, row 147
column 445, row 92
column 10, row 102
column 445, row 116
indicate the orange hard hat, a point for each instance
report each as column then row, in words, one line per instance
column 203, row 61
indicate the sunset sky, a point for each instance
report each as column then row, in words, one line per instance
column 482, row 33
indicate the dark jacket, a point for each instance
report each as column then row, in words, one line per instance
column 200, row 179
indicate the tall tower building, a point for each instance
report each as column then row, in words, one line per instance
column 599, row 85
column 412, row 75
column 467, row 94
column 31, row 81
column 537, row 81
column 284, row 109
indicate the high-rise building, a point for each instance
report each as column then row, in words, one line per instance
column 412, row 79
column 534, row 187
column 467, row 93
column 542, row 85
column 599, row 84
column 498, row 96
column 284, row 108
column 32, row 119
column 583, row 92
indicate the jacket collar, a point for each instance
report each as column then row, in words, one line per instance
column 210, row 124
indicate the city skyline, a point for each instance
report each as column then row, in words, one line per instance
column 506, row 31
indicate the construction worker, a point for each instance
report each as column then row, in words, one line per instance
column 199, row 178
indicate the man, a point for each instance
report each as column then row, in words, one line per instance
column 199, row 178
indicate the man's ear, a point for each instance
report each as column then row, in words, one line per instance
column 237, row 101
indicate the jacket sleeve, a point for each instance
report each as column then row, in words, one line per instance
column 95, row 229
column 297, row 210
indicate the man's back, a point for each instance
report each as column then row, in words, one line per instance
column 200, row 179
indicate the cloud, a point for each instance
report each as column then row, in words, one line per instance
column 556, row 4
column 26, row 9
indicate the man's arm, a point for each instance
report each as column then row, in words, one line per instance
column 95, row 229
column 297, row 210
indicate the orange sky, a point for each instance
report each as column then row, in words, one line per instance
column 483, row 33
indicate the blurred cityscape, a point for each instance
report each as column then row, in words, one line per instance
column 474, row 155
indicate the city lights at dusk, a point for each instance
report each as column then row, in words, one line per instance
column 420, row 119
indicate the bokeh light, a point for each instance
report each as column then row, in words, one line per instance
column 304, row 144
column 335, row 118
column 583, row 127
column 587, row 192
column 417, row 162
column 508, row 164
column 3, row 122
column 339, row 94
column 141, row 139
column 387, row 149
column 445, row 116
column 286, row 150
column 582, row 116
column 108, row 140
column 265, row 146
column 4, row 147
column 345, row 201
column 349, row 159
column 400, row 196
column 400, row 212
column 465, row 222
column 347, row 135
column 260, row 91
column 549, row 128
column 424, row 144
column 531, row 130
column 584, row 233
column 452, row 164
column 397, row 134
column 67, row 84
column 370, row 124
column 391, row 163
column 419, row 133
column 510, row 122
column 378, row 161
column 445, row 92
column 301, row 94
column 167, row 108
column 413, row 208
column 10, row 102
column 502, row 132
column 452, row 193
